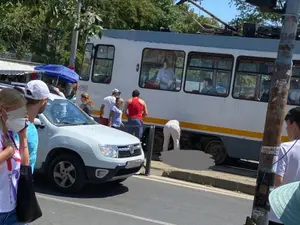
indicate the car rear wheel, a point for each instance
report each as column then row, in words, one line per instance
column 66, row 173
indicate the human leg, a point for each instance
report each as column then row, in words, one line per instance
column 167, row 135
column 176, row 138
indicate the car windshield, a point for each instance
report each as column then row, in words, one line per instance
column 63, row 112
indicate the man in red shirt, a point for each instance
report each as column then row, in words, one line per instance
column 135, row 109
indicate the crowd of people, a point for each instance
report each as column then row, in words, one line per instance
column 134, row 108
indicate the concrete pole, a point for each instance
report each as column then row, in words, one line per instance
column 275, row 115
column 75, row 34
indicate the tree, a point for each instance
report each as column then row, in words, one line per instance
column 19, row 28
column 44, row 27
column 148, row 15
column 252, row 14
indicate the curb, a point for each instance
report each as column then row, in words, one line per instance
column 198, row 178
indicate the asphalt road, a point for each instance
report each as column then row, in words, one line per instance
column 143, row 201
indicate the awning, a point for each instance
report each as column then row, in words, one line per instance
column 14, row 68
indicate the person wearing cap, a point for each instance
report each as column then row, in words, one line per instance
column 285, row 202
column 288, row 165
column 106, row 107
column 37, row 94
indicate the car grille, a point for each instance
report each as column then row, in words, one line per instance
column 129, row 150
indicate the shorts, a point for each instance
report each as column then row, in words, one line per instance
column 104, row 121
column 9, row 218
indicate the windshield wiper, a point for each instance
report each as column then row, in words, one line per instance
column 65, row 123
column 80, row 123
column 69, row 123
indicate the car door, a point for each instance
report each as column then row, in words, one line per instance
column 43, row 132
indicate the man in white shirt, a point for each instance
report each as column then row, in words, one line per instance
column 171, row 128
column 288, row 165
column 109, row 102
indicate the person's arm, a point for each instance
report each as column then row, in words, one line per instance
column 145, row 113
column 62, row 94
column 158, row 77
column 102, row 110
column 9, row 150
column 125, row 109
column 7, row 153
column 281, row 167
column 110, row 117
column 24, row 152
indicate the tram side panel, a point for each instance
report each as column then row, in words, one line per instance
column 204, row 119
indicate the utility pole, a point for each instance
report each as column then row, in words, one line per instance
column 275, row 115
column 75, row 34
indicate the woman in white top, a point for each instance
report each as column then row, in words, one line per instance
column 13, row 151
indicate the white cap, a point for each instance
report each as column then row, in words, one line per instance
column 38, row 90
column 116, row 91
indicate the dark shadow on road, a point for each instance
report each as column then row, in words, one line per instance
column 198, row 160
column 90, row 191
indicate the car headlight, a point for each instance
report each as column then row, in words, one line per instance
column 141, row 146
column 109, row 150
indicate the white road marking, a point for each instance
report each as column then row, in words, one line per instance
column 194, row 186
column 41, row 196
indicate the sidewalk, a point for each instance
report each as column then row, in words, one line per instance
column 217, row 179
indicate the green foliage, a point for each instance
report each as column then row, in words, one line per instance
column 44, row 27
column 252, row 14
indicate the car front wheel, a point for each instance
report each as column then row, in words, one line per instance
column 66, row 173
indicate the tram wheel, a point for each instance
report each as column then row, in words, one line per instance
column 217, row 150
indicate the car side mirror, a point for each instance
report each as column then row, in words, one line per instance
column 38, row 124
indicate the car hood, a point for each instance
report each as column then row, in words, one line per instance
column 102, row 134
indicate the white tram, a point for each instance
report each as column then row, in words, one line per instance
column 227, row 122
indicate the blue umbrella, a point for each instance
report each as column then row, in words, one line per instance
column 59, row 71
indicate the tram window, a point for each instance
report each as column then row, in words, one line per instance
column 208, row 74
column 253, row 78
column 86, row 63
column 162, row 69
column 294, row 92
column 103, row 64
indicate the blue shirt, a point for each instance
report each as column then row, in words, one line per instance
column 33, row 141
column 117, row 117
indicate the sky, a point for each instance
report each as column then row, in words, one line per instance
column 220, row 8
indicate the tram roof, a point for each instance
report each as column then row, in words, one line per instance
column 214, row 41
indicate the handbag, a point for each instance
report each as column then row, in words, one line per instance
column 28, row 208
